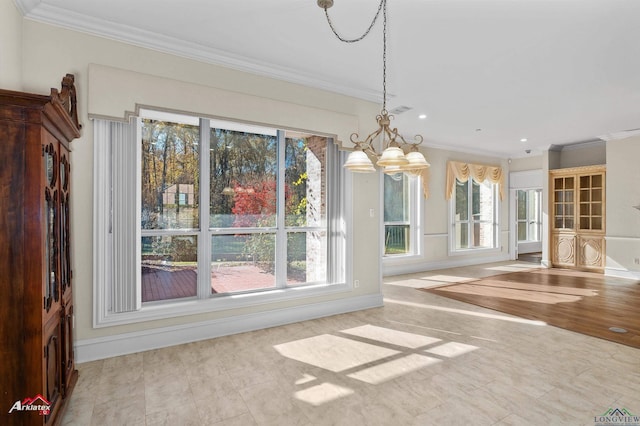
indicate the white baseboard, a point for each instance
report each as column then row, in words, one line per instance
column 391, row 270
column 127, row 343
column 622, row 273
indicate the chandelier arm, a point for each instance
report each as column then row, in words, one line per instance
column 369, row 140
column 357, row 39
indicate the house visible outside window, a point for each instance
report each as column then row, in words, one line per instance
column 401, row 227
column 529, row 210
column 475, row 220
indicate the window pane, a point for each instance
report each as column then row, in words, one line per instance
column 483, row 235
column 534, row 231
column 306, row 257
column 483, row 201
column 242, row 262
column 243, row 171
column 462, row 236
column 396, row 198
column 396, row 239
column 522, row 231
column 169, row 267
column 170, row 171
column 522, row 204
column 305, row 183
column 462, row 200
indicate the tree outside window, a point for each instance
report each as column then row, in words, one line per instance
column 267, row 225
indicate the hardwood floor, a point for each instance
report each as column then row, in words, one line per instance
column 583, row 302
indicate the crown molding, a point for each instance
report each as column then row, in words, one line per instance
column 620, row 135
column 26, row 6
column 37, row 11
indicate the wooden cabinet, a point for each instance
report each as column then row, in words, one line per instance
column 577, row 207
column 36, row 308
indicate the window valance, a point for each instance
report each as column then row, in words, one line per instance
column 424, row 178
column 480, row 173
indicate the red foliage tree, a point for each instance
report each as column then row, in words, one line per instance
column 256, row 202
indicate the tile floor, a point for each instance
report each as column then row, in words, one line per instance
column 419, row 360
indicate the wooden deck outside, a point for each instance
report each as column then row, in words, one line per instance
column 166, row 283
column 162, row 284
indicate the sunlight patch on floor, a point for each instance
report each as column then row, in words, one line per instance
column 394, row 337
column 465, row 312
column 427, row 281
column 371, row 363
column 322, row 393
column 489, row 283
column 392, row 369
column 516, row 267
column 333, row 353
column 511, row 293
column 306, row 378
column 451, row 349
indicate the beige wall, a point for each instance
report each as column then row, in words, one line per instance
column 526, row 163
column 10, row 46
column 622, row 193
column 51, row 52
column 584, row 154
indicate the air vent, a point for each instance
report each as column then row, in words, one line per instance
column 400, row 109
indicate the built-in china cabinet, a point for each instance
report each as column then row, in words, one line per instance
column 37, row 369
column 577, row 209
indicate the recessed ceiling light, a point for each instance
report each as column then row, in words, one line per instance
column 422, row 116
column 523, row 140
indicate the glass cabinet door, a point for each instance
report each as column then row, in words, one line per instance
column 563, row 202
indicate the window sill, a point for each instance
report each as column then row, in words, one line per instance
column 192, row 306
column 399, row 259
column 466, row 252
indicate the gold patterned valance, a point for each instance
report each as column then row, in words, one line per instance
column 479, row 173
column 424, row 178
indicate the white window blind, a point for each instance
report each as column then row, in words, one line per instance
column 116, row 212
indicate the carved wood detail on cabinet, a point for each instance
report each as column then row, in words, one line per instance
column 564, row 250
column 36, row 280
column 577, row 206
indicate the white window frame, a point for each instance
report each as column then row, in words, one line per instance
column 453, row 251
column 416, row 208
column 528, row 220
column 104, row 213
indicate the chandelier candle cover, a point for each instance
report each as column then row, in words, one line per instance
column 393, row 158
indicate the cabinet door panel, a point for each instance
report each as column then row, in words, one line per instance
column 68, row 361
column 591, row 250
column 52, row 368
column 564, row 250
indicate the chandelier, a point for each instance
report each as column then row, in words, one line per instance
column 398, row 155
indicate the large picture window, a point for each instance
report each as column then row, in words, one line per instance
column 221, row 209
column 475, row 221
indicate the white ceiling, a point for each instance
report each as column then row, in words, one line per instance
column 486, row 72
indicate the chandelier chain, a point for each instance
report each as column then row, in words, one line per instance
column 354, row 40
column 384, row 57
column 381, row 7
